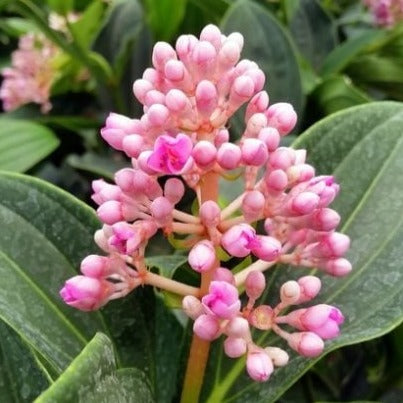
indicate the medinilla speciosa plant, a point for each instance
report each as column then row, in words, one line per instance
column 182, row 144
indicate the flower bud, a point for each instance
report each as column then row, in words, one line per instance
column 158, row 116
column 309, row 288
column 259, row 365
column 161, row 210
column 255, row 284
column 202, row 256
column 282, row 158
column 308, row 344
column 133, row 145
column 276, row 181
column 278, row 356
column 207, row 327
column 140, row 88
column 258, row 104
column 238, row 327
column 110, row 212
column 222, row 300
column 221, row 137
column 223, row 274
column 210, row 213
column 282, row 116
column 162, row 52
column 337, row 267
column 252, row 205
column 266, row 248
column 212, row 34
column 332, row 246
column 204, row 153
column 238, row 240
column 206, row 98
column 271, row 137
column 303, row 203
column 235, row 347
column 290, row 292
column 229, row 156
column 94, row 266
column 254, row 152
column 174, row 190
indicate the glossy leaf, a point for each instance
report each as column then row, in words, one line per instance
column 20, row 378
column 313, row 31
column 336, row 93
column 166, row 265
column 93, row 377
column 363, row 147
column 23, row 144
column 268, row 44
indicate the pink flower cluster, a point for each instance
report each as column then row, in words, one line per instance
column 219, row 313
column 31, row 75
column 386, row 13
column 182, row 142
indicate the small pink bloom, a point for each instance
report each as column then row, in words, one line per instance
column 126, row 239
column 262, row 317
column 202, row 256
column 259, row 365
column 207, row 327
column 222, row 300
column 84, row 293
column 171, row 154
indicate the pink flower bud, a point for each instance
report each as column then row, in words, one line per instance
column 290, row 292
column 140, row 89
column 171, row 154
column 241, row 90
column 94, row 266
column 282, row 116
column 309, row 288
column 124, row 179
column 262, row 317
column 278, row 356
column 266, row 248
column 132, row 145
column 125, row 238
column 184, row 46
column 271, row 137
column 206, row 97
column 212, row 34
column 229, row 156
column 174, row 190
column 222, row 300
column 239, row 240
column 210, row 213
column 282, row 158
column 154, row 97
column 235, row 347
column 308, row 344
column 207, row 327
column 259, row 365
column 84, row 293
column 223, row 274
column 104, row 192
column 276, row 181
column 255, row 284
column 203, row 58
column 324, row 219
column 337, row 267
column 204, row 153
column 177, row 102
column 142, row 162
column 255, row 124
column 116, row 128
column 192, row 307
column 238, row 327
column 202, row 256
column 237, row 38
column 332, row 246
column 162, row 52
column 300, row 173
column 254, row 152
column 258, row 104
column 221, row 137
column 161, row 210
column 228, row 55
column 253, row 205
column 158, row 116
column 110, row 212
column 174, row 70
column 303, row 203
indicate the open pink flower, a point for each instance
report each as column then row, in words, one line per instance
column 222, row 300
column 171, row 155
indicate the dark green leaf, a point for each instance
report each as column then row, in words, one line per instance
column 363, row 147
column 61, row 7
column 165, row 16
column 93, row 377
column 313, row 31
column 23, row 144
column 166, row 265
column 267, row 44
column 20, row 378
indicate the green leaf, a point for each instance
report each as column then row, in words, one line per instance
column 363, row 147
column 93, row 377
column 341, row 56
column 61, row 7
column 166, row 265
column 165, row 16
column 86, row 27
column 23, row 144
column 20, row 378
column 104, row 166
column 313, row 31
column 336, row 93
column 267, row 44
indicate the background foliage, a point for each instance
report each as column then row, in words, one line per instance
column 326, row 58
